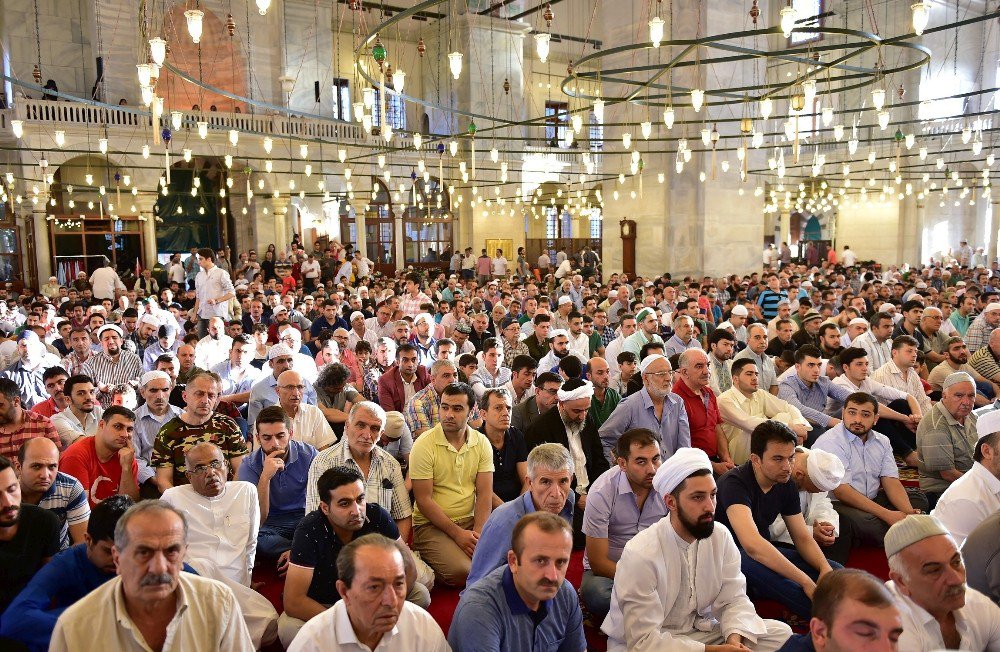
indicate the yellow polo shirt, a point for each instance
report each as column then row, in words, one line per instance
column 452, row 471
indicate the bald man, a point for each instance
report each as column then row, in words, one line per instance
column 605, row 398
column 309, row 425
column 42, row 484
column 186, row 356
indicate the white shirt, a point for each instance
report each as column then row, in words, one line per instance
column 310, row 269
column 579, row 345
column 849, row 258
column 891, row 375
column 310, row 426
column 500, row 266
column 222, row 529
column 213, row 284
column 332, row 630
column 208, row 617
column 968, row 501
column 69, row 427
column 210, row 352
column 611, row 352
column 978, row 623
column 105, row 281
column 176, row 273
column 816, row 508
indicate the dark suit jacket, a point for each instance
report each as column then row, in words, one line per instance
column 549, row 429
column 391, row 395
column 248, row 322
column 525, row 413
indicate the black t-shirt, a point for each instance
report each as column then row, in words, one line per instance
column 315, row 545
column 37, row 538
column 506, row 482
column 739, row 486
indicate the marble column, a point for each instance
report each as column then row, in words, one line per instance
column 42, row 250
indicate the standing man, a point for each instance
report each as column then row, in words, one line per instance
column 451, row 467
column 213, row 291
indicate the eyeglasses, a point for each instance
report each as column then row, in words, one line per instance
column 658, row 374
column 300, row 388
column 202, row 469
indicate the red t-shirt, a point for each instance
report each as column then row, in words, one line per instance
column 100, row 480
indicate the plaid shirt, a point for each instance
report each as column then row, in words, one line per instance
column 511, row 351
column 607, row 335
column 384, row 485
column 422, row 410
column 103, row 369
column 73, row 364
column 32, row 425
column 411, row 306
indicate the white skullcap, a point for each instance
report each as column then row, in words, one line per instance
column 993, row 306
column 726, row 324
column 957, row 377
column 740, row 311
column 279, row 350
column 586, row 390
column 642, row 314
column 557, row 332
column 650, row 359
column 678, row 467
column 989, row 423
column 423, row 317
column 825, row 470
column 147, row 318
column 564, row 299
column 858, row 320
column 111, row 327
column 150, row 376
column 356, row 314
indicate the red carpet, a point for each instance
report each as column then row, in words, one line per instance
column 444, row 599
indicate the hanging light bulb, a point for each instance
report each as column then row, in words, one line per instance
column 366, row 123
column 194, row 18
column 939, row 163
column 966, row 134
column 89, row 178
column 494, row 155
column 741, row 153
column 766, row 107
column 706, row 137
column 187, row 156
column 871, row 157
column 157, row 50
column 788, row 17
column 626, row 140
column 809, row 90
column 789, row 129
column 17, row 128
column 921, row 14
column 577, row 122
column 203, row 130
column 697, row 99
column 102, row 144
column 418, row 140
column 342, row 154
column 656, row 31
column 359, row 111
column 455, row 64
column 990, row 159
column 398, row 79
column 303, row 151
column 144, row 74
column 268, row 144
column 852, row 145
column 827, row 115
column 146, row 95
column 176, row 118
column 145, row 151
column 598, row 111
column 229, row 162
column 234, row 137
column 268, row 166
column 909, row 140
column 878, row 98
column 368, row 95
column 60, row 138
column 977, row 146
column 668, row 117
column 263, row 6
column 883, row 119
column 542, row 45
column 757, row 139
column 453, row 147
column 923, row 153
column 838, row 132
column 647, row 129
column 347, row 174
column 387, row 132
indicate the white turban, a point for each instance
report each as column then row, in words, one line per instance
column 678, row 467
column 825, row 469
column 150, row 376
column 424, row 317
column 557, row 332
column 650, row 359
column 586, row 390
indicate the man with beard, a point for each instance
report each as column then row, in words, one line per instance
column 751, row 497
column 605, row 398
column 558, row 349
column 928, row 581
column 105, row 463
column 152, row 415
column 376, row 620
column 344, row 515
column 852, row 610
column 648, row 331
column 66, row 579
column 400, row 382
column 42, row 484
column 620, row 504
column 957, row 359
column 223, row 517
column 27, row 371
column 214, row 348
column 55, row 380
column 182, row 609
column 18, row 425
column 112, row 369
column 681, row 568
column 29, row 536
column 526, row 601
column 81, row 416
column 279, row 468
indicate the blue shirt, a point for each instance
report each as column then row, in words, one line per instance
column 637, row 411
column 232, row 386
column 811, row 401
column 66, row 499
column 613, row 513
column 491, row 616
column 494, row 542
column 59, row 584
column 676, row 345
column 865, row 462
column 288, row 487
column 147, row 427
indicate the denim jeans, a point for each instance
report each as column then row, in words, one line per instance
column 762, row 582
column 275, row 534
column 595, row 593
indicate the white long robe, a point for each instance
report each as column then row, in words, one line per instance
column 648, row 583
column 815, row 508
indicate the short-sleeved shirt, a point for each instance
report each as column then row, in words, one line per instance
column 287, row 489
column 100, row 479
column 865, row 462
column 453, row 472
column 66, row 499
column 613, row 513
column 32, row 425
column 36, row 539
column 315, row 545
column 506, row 482
column 944, row 444
column 739, row 486
column 176, row 436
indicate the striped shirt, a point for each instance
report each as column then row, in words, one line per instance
column 32, row 425
column 67, row 500
column 106, row 370
column 73, row 364
column 768, row 302
column 985, row 364
column 384, row 485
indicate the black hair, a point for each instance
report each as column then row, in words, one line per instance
column 807, row 351
column 53, row 372
column 73, row 381
column 523, row 362
column 105, row 515
column 767, row 432
column 336, row 477
column 460, row 389
column 571, row 366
